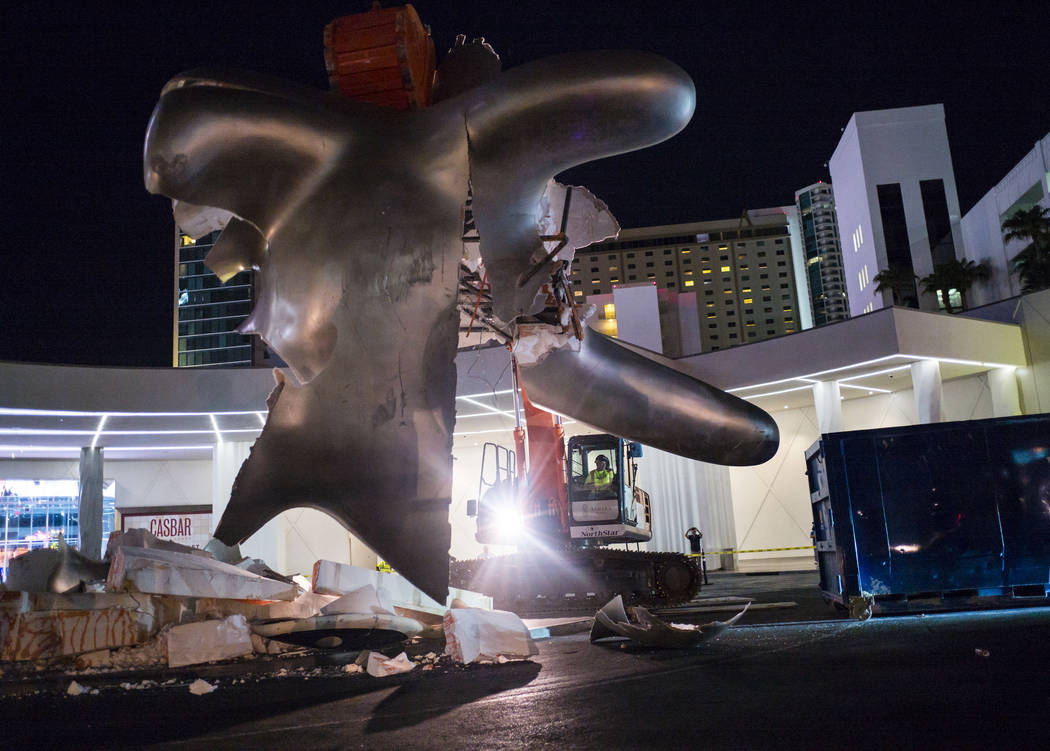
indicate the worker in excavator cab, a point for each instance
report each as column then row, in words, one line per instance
column 601, row 477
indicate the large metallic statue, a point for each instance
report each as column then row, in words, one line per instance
column 353, row 216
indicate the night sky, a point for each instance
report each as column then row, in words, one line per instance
column 86, row 275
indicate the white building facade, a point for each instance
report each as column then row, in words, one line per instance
column 1025, row 186
column 896, row 200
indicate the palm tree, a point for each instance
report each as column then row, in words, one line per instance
column 1032, row 264
column 957, row 275
column 900, row 282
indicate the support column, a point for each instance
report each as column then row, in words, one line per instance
column 827, row 398
column 926, row 383
column 1006, row 397
column 226, row 460
column 270, row 542
column 89, row 516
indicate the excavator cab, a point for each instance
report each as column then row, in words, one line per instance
column 605, row 504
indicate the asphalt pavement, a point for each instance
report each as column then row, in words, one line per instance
column 960, row 680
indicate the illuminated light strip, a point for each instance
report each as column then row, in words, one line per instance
column 971, row 362
column 863, row 388
column 215, row 425
column 486, row 393
column 479, row 432
column 875, row 373
column 807, row 387
column 814, row 375
column 49, row 431
column 76, row 449
column 485, row 406
column 503, row 430
column 98, row 430
column 73, row 413
column 262, row 418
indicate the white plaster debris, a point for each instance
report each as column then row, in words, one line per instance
column 473, row 635
column 75, row 689
column 589, row 219
column 167, row 572
column 367, row 599
column 352, row 668
column 200, row 687
column 613, row 621
column 332, row 578
column 380, row 666
column 194, row 643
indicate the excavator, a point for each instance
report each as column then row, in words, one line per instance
column 563, row 513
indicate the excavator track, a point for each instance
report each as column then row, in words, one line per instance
column 578, row 581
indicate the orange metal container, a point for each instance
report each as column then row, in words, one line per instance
column 384, row 56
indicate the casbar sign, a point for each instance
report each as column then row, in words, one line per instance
column 171, row 526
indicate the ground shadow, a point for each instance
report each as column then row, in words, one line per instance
column 417, row 701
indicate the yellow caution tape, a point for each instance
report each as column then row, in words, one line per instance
column 754, row 550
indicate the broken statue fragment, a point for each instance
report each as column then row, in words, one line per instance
column 613, row 621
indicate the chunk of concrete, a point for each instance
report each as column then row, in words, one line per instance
column 334, row 578
column 613, row 621
column 364, row 600
column 143, row 538
column 53, row 570
column 305, row 605
column 472, row 634
column 380, row 666
column 200, row 687
column 171, row 573
column 209, row 641
column 49, row 634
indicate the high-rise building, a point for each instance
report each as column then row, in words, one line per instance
column 896, row 201
column 822, row 253
column 737, row 275
column 207, row 312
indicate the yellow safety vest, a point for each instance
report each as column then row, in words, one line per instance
column 600, row 477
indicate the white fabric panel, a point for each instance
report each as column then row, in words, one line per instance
column 827, row 398
column 926, row 381
column 685, row 494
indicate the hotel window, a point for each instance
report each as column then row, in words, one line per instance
column 594, row 259
column 727, row 291
column 649, row 265
column 630, row 266
column 778, row 242
column 760, row 242
column 612, row 258
column 726, row 269
column 648, row 253
column 668, row 263
column 578, row 293
column 686, row 251
column 632, row 277
column 732, row 336
column 630, row 255
column 712, row 325
column 594, row 269
column 667, row 252
column 747, row 301
column 651, row 275
column 712, row 315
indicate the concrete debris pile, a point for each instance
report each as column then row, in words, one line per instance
column 153, row 604
column 613, row 621
column 474, row 635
